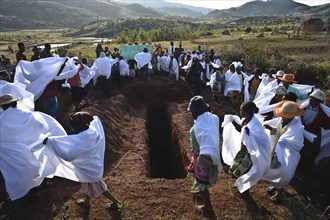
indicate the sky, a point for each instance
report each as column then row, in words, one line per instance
column 225, row 4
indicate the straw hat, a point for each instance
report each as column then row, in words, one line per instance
column 6, row 99
column 288, row 109
column 197, row 104
column 288, row 78
column 318, row 94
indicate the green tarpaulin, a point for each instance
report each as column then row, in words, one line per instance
column 129, row 51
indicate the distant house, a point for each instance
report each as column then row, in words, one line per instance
column 313, row 26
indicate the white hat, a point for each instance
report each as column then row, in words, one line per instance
column 237, row 64
column 318, row 94
column 280, row 73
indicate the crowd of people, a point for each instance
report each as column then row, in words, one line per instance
column 282, row 125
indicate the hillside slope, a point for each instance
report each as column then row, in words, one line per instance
column 263, row 8
column 31, row 14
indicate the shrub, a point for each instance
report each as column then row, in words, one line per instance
column 248, row 30
column 307, row 73
column 232, row 54
column 226, row 32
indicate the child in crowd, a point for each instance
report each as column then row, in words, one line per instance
column 85, row 150
column 80, row 122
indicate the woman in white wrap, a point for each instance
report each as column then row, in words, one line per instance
column 287, row 137
column 85, row 150
column 253, row 158
column 205, row 155
column 21, row 164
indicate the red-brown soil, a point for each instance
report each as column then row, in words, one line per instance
column 147, row 137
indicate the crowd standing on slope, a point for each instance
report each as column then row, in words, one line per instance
column 282, row 126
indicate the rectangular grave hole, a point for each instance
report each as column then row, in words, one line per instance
column 165, row 159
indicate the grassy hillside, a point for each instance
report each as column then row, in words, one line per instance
column 32, row 14
column 271, row 8
column 111, row 28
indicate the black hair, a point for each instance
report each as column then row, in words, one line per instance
column 80, row 121
column 47, row 46
column 250, row 107
column 84, row 61
column 12, row 104
column 290, row 96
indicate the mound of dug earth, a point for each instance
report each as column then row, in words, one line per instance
column 147, row 136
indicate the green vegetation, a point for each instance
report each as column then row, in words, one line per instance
column 306, row 56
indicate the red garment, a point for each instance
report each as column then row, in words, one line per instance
column 20, row 56
column 310, row 150
column 50, row 90
column 321, row 121
column 75, row 80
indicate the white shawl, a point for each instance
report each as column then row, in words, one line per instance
column 165, row 62
column 206, row 130
column 287, row 150
column 81, row 156
column 246, row 88
column 123, row 68
column 17, row 90
column 21, row 163
column 262, row 85
column 103, row 67
column 175, row 68
column 87, row 74
column 142, row 59
column 257, row 144
column 38, row 74
column 234, row 83
column 228, row 74
column 77, row 157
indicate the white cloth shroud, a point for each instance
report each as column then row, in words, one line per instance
column 78, row 157
column 287, row 149
column 102, row 66
column 142, row 59
column 17, row 90
column 234, row 83
column 22, row 168
column 206, row 130
column 257, row 144
column 81, row 156
column 87, row 74
column 38, row 74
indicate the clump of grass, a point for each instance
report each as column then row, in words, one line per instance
column 122, row 206
column 302, row 208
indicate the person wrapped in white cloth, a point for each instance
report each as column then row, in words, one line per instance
column 85, row 151
column 143, row 63
column 250, row 157
column 22, row 165
column 205, row 154
column 287, row 137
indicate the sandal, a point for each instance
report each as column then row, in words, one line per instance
column 276, row 198
column 194, row 191
column 111, row 206
column 243, row 195
column 82, row 203
column 271, row 190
